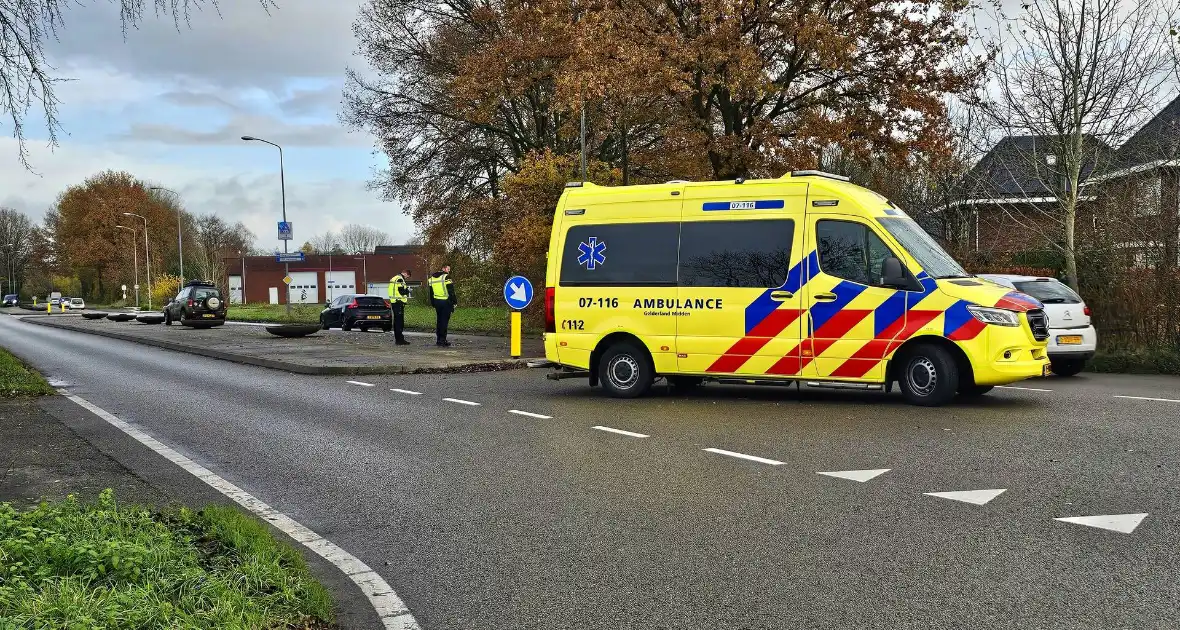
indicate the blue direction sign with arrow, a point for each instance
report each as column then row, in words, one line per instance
column 290, row 258
column 518, row 292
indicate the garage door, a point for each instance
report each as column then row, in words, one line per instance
column 304, row 288
column 340, row 283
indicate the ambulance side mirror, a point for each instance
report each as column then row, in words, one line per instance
column 893, row 274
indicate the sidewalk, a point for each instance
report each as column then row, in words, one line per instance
column 326, row 352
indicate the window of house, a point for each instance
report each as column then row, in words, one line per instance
column 851, row 251
column 736, row 253
column 628, row 254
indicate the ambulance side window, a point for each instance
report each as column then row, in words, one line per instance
column 851, row 251
column 754, row 253
column 622, row 254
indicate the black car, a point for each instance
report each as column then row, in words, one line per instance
column 10, row 299
column 199, row 304
column 360, row 311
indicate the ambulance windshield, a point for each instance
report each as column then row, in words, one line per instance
column 933, row 259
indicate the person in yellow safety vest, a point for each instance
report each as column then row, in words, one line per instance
column 399, row 294
column 442, row 297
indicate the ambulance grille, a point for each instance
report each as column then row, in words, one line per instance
column 1039, row 324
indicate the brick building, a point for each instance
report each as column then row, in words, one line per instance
column 321, row 277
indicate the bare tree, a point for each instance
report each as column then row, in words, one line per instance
column 26, row 78
column 356, row 238
column 326, row 243
column 217, row 240
column 17, row 242
column 1077, row 77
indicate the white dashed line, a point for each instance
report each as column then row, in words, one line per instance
column 1027, row 389
column 405, row 391
column 392, row 610
column 1148, row 398
column 760, row 460
column 529, row 414
column 462, row 402
column 362, row 384
column 621, row 432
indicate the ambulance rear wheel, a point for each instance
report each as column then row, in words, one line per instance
column 929, row 376
column 625, row 371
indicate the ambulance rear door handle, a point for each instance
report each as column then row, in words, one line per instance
column 825, row 297
column 779, row 296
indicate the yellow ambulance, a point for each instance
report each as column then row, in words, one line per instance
column 807, row 279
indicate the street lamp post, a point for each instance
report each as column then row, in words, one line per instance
column 147, row 253
column 283, row 189
column 179, row 231
column 134, row 261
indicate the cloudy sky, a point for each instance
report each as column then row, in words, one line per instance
column 170, row 107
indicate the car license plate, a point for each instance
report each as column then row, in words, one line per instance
column 374, row 317
column 1069, row 340
column 1046, row 369
column 209, row 315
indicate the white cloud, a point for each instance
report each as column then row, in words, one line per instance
column 248, row 196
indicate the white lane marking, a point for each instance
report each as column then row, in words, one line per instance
column 405, row 391
column 529, row 414
column 1122, row 523
column 361, row 383
column 753, row 458
column 1149, row 398
column 974, row 497
column 1027, row 389
column 856, row 475
column 462, row 402
column 621, row 432
column 390, row 608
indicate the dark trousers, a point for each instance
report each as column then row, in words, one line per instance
column 399, row 320
column 442, row 318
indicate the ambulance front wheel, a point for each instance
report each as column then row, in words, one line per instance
column 625, row 371
column 929, row 376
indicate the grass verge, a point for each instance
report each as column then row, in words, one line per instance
column 18, row 380
column 1136, row 362
column 475, row 320
column 70, row 564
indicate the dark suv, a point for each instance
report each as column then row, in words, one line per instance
column 199, row 304
column 361, row 311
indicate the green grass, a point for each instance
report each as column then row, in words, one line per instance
column 69, row 564
column 476, row 320
column 18, row 380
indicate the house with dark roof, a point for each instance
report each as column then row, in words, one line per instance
column 1129, row 196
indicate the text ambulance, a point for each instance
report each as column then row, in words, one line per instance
column 805, row 278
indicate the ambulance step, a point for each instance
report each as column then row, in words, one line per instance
column 837, row 385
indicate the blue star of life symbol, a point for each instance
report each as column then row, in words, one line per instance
column 590, row 253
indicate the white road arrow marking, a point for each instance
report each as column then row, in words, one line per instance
column 1122, row 523
column 974, row 497
column 856, row 475
column 518, row 293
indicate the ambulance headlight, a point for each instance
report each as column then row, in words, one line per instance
column 996, row 316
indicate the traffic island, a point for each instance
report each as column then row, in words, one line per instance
column 325, row 353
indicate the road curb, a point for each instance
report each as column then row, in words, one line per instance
column 295, row 368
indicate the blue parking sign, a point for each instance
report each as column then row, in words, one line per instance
column 285, row 231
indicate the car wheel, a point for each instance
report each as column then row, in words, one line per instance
column 167, row 318
column 388, row 328
column 324, row 324
column 928, row 376
column 1067, row 367
column 344, row 325
column 975, row 391
column 625, row 371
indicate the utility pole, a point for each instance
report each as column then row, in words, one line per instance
column 134, row 261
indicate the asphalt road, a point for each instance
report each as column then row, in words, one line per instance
column 483, row 518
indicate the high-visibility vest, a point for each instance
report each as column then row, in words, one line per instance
column 438, row 287
column 397, row 289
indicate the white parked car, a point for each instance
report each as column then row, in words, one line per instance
column 1072, row 339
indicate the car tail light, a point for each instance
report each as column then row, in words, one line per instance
column 190, row 303
column 387, row 304
column 1086, row 311
column 354, row 304
column 550, row 316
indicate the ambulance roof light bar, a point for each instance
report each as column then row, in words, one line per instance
column 843, row 178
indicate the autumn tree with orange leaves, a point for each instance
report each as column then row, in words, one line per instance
column 471, row 100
